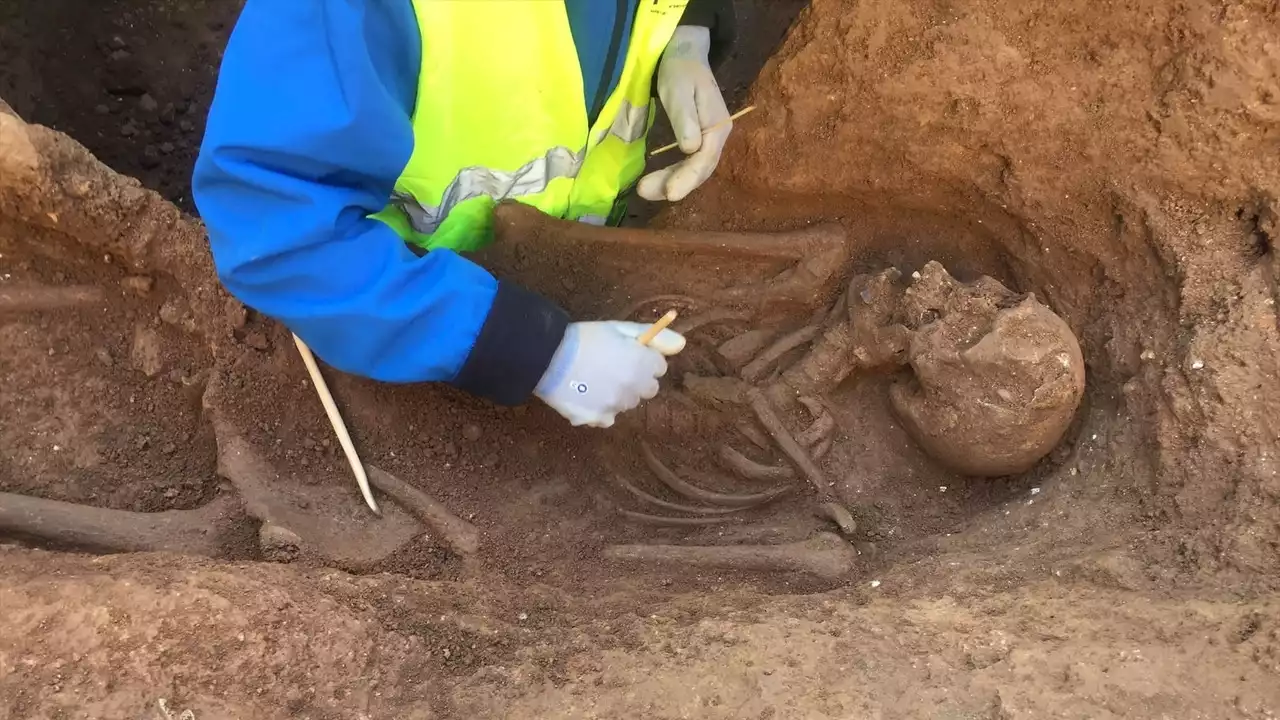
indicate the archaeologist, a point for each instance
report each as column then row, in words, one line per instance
column 354, row 147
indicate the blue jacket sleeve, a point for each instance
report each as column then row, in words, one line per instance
column 308, row 131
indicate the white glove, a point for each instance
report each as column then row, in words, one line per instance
column 600, row 370
column 693, row 103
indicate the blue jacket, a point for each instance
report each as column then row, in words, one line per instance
column 308, row 131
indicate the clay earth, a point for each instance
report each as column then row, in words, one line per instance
column 182, row 532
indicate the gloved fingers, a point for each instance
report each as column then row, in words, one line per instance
column 650, row 390
column 653, row 187
column 668, row 342
column 698, row 167
column 691, row 173
column 680, row 98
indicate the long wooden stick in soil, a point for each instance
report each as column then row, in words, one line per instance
column 339, row 427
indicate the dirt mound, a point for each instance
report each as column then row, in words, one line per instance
column 1115, row 161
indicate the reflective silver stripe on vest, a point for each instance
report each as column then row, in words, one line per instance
column 631, row 122
column 532, row 178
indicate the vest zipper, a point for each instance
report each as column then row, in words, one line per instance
column 610, row 61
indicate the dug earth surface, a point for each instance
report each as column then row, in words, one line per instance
column 1115, row 161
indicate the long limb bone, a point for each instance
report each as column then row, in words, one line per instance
column 769, row 419
column 459, row 534
column 673, row 521
column 741, row 349
column 27, row 297
column 756, row 369
column 817, row 255
column 515, row 222
column 824, row 556
column 213, row 530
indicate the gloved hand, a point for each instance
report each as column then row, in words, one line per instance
column 600, row 370
column 693, row 103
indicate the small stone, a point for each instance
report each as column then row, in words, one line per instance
column 146, row 354
column 875, row 583
column 176, row 376
column 523, row 616
column 236, row 313
column 101, row 109
column 1147, row 355
column 308, row 443
column 172, row 311
column 186, row 125
column 104, row 357
column 168, row 114
column 117, row 43
column 138, row 284
column 148, row 104
column 325, row 443
column 1005, row 395
column 150, row 157
column 128, row 129
column 171, row 493
column 257, row 341
column 166, row 148
column 142, row 442
column 169, row 448
column 119, row 55
column 472, row 433
column 1197, row 364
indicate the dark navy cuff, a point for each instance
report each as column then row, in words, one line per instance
column 515, row 346
column 718, row 16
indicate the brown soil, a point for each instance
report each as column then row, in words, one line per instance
column 1117, row 161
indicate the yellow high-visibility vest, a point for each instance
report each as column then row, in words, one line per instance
column 501, row 115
